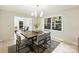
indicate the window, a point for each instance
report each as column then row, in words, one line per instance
column 20, row 24
column 47, row 23
column 57, row 23
column 54, row 22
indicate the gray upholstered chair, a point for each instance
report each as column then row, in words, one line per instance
column 21, row 44
column 39, row 44
column 48, row 40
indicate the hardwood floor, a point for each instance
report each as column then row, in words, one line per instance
column 66, row 48
column 62, row 47
column 4, row 45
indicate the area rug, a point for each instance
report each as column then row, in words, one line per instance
column 54, row 44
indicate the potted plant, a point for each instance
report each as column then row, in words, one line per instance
column 36, row 27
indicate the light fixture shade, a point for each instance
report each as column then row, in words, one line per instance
column 41, row 14
column 37, row 13
column 32, row 14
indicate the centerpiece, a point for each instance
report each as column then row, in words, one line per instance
column 36, row 27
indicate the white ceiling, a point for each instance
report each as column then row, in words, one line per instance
column 27, row 9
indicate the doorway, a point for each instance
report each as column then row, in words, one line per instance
column 22, row 24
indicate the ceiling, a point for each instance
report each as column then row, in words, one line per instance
column 28, row 9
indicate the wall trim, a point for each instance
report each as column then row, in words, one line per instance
column 65, row 41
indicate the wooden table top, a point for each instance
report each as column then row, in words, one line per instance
column 30, row 34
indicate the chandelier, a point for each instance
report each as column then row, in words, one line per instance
column 37, row 12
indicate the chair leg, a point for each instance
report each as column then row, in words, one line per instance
column 38, row 47
column 50, row 43
column 17, row 49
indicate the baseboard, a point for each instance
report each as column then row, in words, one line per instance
column 5, row 40
column 1, row 40
column 64, row 41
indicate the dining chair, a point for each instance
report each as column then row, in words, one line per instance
column 32, row 39
column 39, row 44
column 47, row 40
column 21, row 44
column 26, row 29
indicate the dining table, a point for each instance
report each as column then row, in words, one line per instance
column 30, row 34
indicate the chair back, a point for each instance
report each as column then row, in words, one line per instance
column 48, row 40
column 34, row 38
column 47, row 35
column 18, row 40
column 41, row 38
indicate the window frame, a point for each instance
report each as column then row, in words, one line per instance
column 55, row 24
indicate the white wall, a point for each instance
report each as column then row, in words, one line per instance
column 7, row 24
column 26, row 22
column 70, row 31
